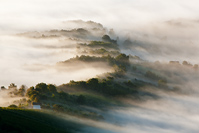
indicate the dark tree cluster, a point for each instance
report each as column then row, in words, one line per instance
column 107, row 86
column 14, row 91
column 41, row 91
column 101, row 44
column 184, row 63
column 154, row 76
column 120, row 62
column 106, row 38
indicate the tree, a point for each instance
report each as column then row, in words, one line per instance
column 22, row 90
column 3, row 88
column 122, row 58
column 106, row 38
column 29, row 91
column 12, row 86
column 41, row 87
column 12, row 106
column 36, row 100
column 185, row 63
column 92, row 83
column 63, row 95
column 81, row 99
column 52, row 88
column 33, row 94
column 35, row 97
column 119, row 69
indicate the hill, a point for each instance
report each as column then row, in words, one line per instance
column 30, row 121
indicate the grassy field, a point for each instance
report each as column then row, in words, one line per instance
column 31, row 121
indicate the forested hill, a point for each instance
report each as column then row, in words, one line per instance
column 127, row 77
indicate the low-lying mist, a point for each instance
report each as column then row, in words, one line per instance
column 175, row 39
column 6, row 99
column 28, row 61
column 171, row 113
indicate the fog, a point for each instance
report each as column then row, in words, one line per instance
column 175, row 39
column 6, row 99
column 157, row 30
column 30, row 61
column 171, row 112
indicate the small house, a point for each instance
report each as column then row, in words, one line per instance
column 36, row 105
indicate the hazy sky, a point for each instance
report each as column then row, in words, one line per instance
column 118, row 14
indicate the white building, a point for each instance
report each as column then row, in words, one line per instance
column 36, row 105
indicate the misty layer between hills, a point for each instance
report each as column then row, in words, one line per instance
column 35, row 55
column 165, row 102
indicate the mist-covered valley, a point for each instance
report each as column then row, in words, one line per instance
column 107, row 67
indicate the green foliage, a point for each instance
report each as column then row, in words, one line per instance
column 106, row 38
column 12, row 106
column 33, row 94
column 22, row 90
column 103, row 51
column 107, row 86
column 89, row 59
column 81, row 99
column 92, row 83
column 63, row 95
column 120, row 70
column 30, row 91
column 120, row 63
column 52, row 88
column 53, row 95
column 41, row 92
column 57, row 107
column 36, row 99
column 100, row 44
column 122, row 58
column 41, row 87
